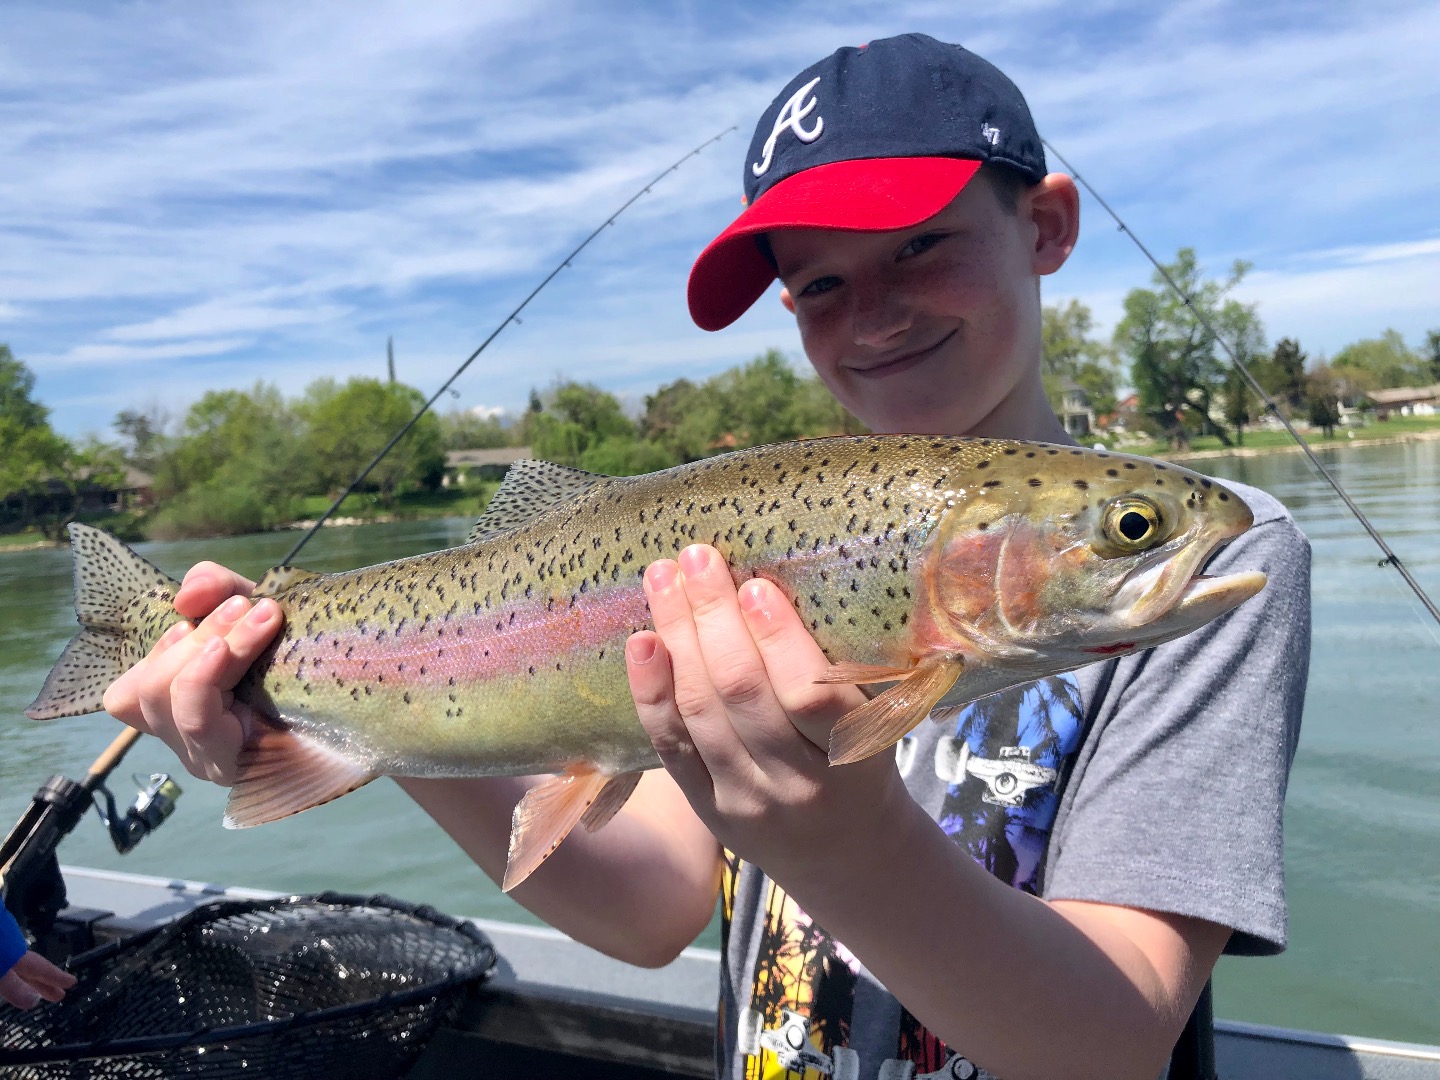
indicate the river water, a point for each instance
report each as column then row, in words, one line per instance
column 1363, row 815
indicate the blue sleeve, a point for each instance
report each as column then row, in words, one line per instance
column 12, row 941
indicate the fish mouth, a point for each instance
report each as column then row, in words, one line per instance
column 1167, row 590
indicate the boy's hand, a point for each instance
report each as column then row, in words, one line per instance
column 182, row 692
column 32, row 978
column 726, row 689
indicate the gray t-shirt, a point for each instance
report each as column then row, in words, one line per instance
column 1154, row 780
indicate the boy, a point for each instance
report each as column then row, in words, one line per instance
column 1101, row 836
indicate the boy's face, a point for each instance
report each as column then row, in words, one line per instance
column 935, row 328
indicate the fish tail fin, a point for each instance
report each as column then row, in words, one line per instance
column 550, row 809
column 111, row 581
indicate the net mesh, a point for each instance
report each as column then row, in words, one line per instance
column 314, row 987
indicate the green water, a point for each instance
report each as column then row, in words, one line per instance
column 1363, row 819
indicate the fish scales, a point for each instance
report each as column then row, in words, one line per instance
column 498, row 650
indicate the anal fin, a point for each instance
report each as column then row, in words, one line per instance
column 280, row 773
column 886, row 718
column 608, row 803
column 547, row 813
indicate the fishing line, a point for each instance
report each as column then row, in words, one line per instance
column 1390, row 559
column 514, row 317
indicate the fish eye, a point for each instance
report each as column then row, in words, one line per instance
column 1132, row 523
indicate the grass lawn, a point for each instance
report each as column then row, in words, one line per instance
column 1271, row 438
column 447, row 502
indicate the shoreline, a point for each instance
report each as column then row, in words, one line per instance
column 1191, row 455
column 1295, row 448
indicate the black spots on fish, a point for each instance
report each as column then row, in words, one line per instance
column 1082, row 485
column 1189, row 480
column 531, row 669
column 984, row 464
column 1206, row 484
column 982, row 525
column 992, row 483
column 1035, row 481
column 1159, row 482
column 354, row 693
column 1130, row 465
column 405, row 697
column 1222, row 496
column 1111, row 472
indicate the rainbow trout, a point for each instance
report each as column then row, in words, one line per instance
column 932, row 570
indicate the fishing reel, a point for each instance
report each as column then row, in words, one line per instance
column 152, row 806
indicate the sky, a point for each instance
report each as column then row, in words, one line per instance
column 197, row 197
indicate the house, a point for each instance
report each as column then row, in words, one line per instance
column 1075, row 411
column 1406, row 400
column 462, row 466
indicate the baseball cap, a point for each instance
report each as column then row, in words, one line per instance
column 871, row 139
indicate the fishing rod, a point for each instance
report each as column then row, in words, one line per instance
column 1271, row 406
column 30, row 879
column 512, row 317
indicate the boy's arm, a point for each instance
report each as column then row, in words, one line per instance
column 727, row 691
column 25, row 976
column 639, row 889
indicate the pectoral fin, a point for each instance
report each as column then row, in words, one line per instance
column 280, row 773
column 886, row 718
column 550, row 809
column 860, row 674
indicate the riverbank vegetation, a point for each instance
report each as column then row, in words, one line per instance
column 247, row 460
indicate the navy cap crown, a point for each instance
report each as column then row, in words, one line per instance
column 906, row 96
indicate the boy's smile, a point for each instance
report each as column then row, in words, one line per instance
column 935, row 328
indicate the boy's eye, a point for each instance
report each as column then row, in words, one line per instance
column 821, row 285
column 920, row 244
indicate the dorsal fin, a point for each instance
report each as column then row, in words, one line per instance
column 278, row 578
column 529, row 489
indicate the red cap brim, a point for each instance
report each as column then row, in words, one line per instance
column 864, row 195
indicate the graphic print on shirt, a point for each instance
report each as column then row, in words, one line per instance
column 1000, row 759
column 801, row 999
column 1001, row 765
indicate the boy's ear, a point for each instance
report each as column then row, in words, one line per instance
column 1054, row 208
column 786, row 300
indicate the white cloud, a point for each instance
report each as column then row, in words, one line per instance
column 268, row 190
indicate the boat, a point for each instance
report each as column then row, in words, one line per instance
column 557, row 1007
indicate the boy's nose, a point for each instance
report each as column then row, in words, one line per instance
column 880, row 316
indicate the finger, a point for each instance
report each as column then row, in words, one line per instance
column 734, row 664
column 17, row 991
column 651, row 685
column 206, row 586
column 48, row 980
column 694, row 695
column 794, row 662
column 212, row 725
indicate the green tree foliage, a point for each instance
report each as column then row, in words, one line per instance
column 1323, row 389
column 576, row 419
column 142, row 436
column 30, row 452
column 468, row 431
column 1432, row 353
column 1175, row 362
column 1069, row 355
column 346, row 426
column 1282, row 375
column 1383, row 362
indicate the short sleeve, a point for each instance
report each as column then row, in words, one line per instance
column 1175, row 801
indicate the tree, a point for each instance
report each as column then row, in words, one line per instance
column 1174, row 363
column 1239, row 402
column 142, row 435
column 31, row 453
column 1383, row 362
column 1432, row 350
column 1069, row 355
column 348, row 425
column 1283, row 375
column 470, row 430
column 1322, row 395
column 577, row 417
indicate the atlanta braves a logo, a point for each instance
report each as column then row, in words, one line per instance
column 792, row 115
